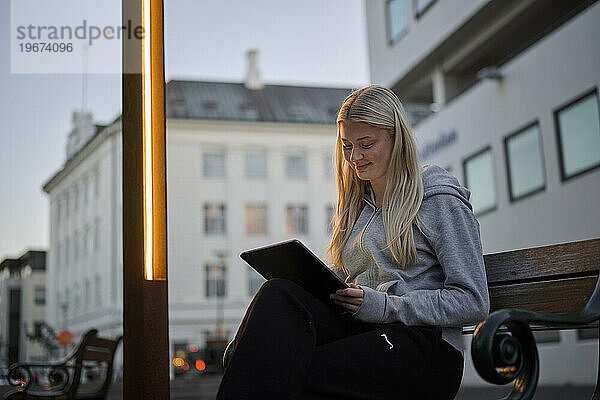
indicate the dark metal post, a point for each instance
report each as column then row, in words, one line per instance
column 145, row 302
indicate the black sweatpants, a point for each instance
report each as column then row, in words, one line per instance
column 291, row 345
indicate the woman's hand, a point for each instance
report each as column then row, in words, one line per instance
column 350, row 298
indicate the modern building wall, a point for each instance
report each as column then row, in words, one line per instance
column 561, row 64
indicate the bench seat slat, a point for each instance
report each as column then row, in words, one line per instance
column 542, row 262
column 556, row 296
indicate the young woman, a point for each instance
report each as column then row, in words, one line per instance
column 407, row 242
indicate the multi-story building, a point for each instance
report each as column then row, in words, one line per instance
column 247, row 164
column 508, row 93
column 22, row 307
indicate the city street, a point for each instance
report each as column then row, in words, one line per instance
column 205, row 388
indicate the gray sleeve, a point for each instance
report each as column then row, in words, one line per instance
column 462, row 300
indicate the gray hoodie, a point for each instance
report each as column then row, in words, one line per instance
column 446, row 287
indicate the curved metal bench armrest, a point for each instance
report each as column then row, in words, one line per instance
column 503, row 356
column 58, row 370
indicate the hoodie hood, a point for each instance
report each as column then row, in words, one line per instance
column 436, row 180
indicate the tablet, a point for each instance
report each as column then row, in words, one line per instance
column 294, row 261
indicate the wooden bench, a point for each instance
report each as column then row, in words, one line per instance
column 84, row 374
column 543, row 288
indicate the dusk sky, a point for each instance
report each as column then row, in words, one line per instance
column 314, row 42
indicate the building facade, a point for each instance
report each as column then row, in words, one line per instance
column 22, row 308
column 248, row 164
column 509, row 94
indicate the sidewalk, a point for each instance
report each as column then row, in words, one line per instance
column 205, row 388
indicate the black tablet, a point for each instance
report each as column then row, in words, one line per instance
column 294, row 261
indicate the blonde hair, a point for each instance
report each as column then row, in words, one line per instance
column 379, row 106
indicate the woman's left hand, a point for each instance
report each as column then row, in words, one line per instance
column 350, row 298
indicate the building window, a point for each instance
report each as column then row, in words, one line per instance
column 546, row 336
column 84, row 240
column 256, row 219
column 480, row 180
column 76, row 197
column 214, row 219
column 397, row 21
column 39, row 295
column 578, row 130
column 86, row 190
column 256, row 164
column 421, row 6
column 76, row 241
column 255, row 281
column 295, row 166
column 328, row 167
column 215, row 281
column 587, row 333
column 214, row 164
column 97, row 235
column 296, row 220
column 68, row 251
column 97, row 183
column 524, row 162
column 87, row 293
column 329, row 218
column 62, row 208
column 76, row 298
column 58, row 256
column 98, row 289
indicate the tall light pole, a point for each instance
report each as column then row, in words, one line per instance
column 145, row 301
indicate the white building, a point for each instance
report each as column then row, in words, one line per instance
column 509, row 97
column 248, row 164
column 22, row 307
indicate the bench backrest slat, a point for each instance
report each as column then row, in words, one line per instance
column 97, row 354
column 556, row 296
column 540, row 263
column 558, row 278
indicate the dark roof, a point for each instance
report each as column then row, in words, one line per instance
column 272, row 103
column 34, row 258
column 234, row 102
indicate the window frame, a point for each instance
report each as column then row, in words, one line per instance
column 289, row 172
column 466, row 180
column 419, row 14
column 265, row 173
column 36, row 300
column 255, row 207
column 507, row 159
column 214, row 152
column 207, row 281
column 290, row 207
column 558, row 110
column 223, row 208
column 329, row 209
column 388, row 24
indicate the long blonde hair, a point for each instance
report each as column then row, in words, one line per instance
column 379, row 106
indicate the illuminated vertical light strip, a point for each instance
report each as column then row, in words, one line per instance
column 147, row 138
